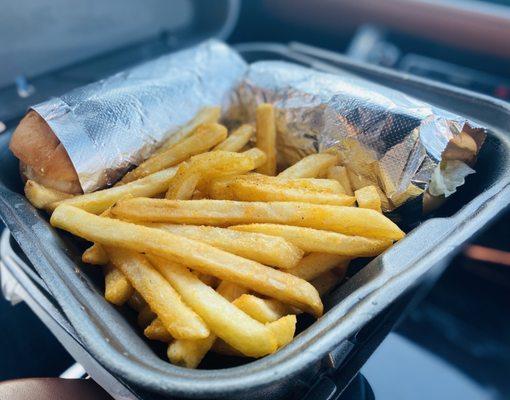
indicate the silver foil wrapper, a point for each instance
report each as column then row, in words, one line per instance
column 385, row 138
column 110, row 125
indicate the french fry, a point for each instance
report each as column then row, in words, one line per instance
column 189, row 353
column 200, row 256
column 243, row 333
column 268, row 250
column 368, row 197
column 117, row 289
column 207, row 115
column 209, row 280
column 156, row 331
column 263, row 310
column 210, row 165
column 223, row 188
column 318, row 241
column 145, row 316
column 346, row 220
column 339, row 174
column 314, row 264
column 95, row 255
column 99, row 201
column 256, row 191
column 283, row 330
column 311, row 166
column 42, row 197
column 203, row 138
column 237, row 139
column 177, row 318
column 266, row 137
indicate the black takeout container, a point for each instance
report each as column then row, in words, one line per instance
column 116, row 345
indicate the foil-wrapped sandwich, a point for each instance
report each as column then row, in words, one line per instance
column 88, row 138
column 407, row 148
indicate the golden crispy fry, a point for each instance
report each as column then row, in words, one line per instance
column 237, row 139
column 318, row 241
column 41, row 197
column 156, row 331
column 223, row 188
column 314, row 264
column 268, row 250
column 189, row 353
column 136, row 302
column 263, row 310
column 339, row 174
column 311, row 166
column 368, row 197
column 184, row 183
column 283, row 330
column 177, row 317
column 266, row 137
column 243, row 333
column 347, row 220
column 117, row 289
column 204, row 137
column 210, row 165
column 256, row 191
column 208, row 115
column 200, row 256
column 95, row 255
column 99, row 201
column 145, row 316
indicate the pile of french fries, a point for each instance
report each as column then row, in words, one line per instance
column 213, row 248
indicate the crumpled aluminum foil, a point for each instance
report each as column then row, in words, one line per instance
column 115, row 123
column 384, row 137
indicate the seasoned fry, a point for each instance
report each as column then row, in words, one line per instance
column 203, row 138
column 266, row 137
column 189, row 353
column 268, row 250
column 99, row 201
column 340, row 175
column 347, row 220
column 263, row 310
column 211, row 165
column 243, row 333
column 207, row 115
column 156, row 331
column 41, row 197
column 200, row 256
column 237, row 139
column 95, row 255
column 177, row 317
column 368, row 197
column 256, row 191
column 314, row 264
column 311, row 166
column 318, row 241
column 223, row 188
column 117, row 289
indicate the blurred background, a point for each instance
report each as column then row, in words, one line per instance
column 455, row 343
